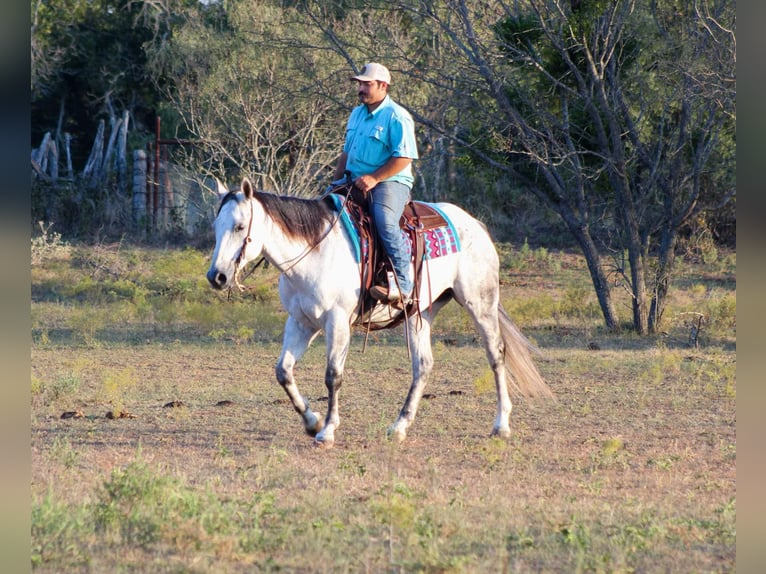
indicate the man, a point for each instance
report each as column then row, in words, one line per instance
column 378, row 152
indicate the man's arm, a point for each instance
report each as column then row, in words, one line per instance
column 393, row 166
column 340, row 167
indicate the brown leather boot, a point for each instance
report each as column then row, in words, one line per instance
column 390, row 295
column 383, row 293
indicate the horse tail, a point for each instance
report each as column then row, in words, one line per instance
column 524, row 377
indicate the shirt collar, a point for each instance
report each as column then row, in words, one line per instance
column 384, row 104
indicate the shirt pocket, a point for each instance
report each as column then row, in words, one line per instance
column 376, row 147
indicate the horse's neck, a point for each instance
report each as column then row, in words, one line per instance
column 286, row 254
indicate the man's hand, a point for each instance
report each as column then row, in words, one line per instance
column 365, row 183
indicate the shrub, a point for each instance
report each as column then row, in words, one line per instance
column 721, row 312
column 48, row 245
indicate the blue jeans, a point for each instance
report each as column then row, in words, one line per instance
column 388, row 201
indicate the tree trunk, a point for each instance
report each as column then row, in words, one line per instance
column 666, row 262
column 641, row 303
column 599, row 278
column 637, row 257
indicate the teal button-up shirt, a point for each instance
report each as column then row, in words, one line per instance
column 373, row 138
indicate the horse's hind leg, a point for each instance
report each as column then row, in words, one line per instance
column 296, row 340
column 484, row 313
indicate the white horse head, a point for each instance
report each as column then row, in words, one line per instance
column 237, row 241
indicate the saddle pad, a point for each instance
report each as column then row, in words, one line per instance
column 439, row 241
column 348, row 225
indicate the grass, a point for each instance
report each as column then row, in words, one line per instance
column 631, row 469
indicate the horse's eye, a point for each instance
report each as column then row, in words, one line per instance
column 239, row 227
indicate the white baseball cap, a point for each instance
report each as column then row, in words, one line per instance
column 373, row 72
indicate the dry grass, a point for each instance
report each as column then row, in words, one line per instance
column 631, row 469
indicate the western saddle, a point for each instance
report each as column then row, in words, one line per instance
column 417, row 218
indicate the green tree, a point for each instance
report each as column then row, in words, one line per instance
column 617, row 115
column 258, row 91
column 90, row 72
column 88, row 63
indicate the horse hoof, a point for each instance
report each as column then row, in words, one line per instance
column 501, row 433
column 313, row 426
column 324, row 444
column 397, row 435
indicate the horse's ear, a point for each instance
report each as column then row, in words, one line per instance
column 247, row 188
column 220, row 188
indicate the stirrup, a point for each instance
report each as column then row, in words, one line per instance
column 390, row 294
column 392, row 297
column 403, row 302
column 384, row 294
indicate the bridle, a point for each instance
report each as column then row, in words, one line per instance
column 241, row 256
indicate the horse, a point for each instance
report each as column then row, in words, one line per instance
column 320, row 288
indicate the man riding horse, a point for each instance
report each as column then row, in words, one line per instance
column 378, row 152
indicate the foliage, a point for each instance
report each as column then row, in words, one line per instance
column 609, row 125
column 47, row 245
column 88, row 57
column 261, row 102
column 590, row 113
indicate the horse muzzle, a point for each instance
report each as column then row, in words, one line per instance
column 217, row 279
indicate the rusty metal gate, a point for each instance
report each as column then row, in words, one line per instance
column 167, row 198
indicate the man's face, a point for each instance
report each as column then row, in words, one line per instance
column 371, row 93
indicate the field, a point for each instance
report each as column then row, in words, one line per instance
column 161, row 441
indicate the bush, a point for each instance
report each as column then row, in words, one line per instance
column 48, row 245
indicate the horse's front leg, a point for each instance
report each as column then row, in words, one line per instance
column 295, row 342
column 422, row 365
column 338, row 334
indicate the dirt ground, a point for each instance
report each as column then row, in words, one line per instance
column 618, row 449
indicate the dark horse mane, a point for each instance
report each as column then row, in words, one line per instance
column 297, row 217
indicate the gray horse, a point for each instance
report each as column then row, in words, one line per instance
column 320, row 287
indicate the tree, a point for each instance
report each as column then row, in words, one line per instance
column 252, row 89
column 617, row 115
column 89, row 63
column 264, row 86
column 90, row 73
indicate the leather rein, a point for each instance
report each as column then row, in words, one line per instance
column 299, row 258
